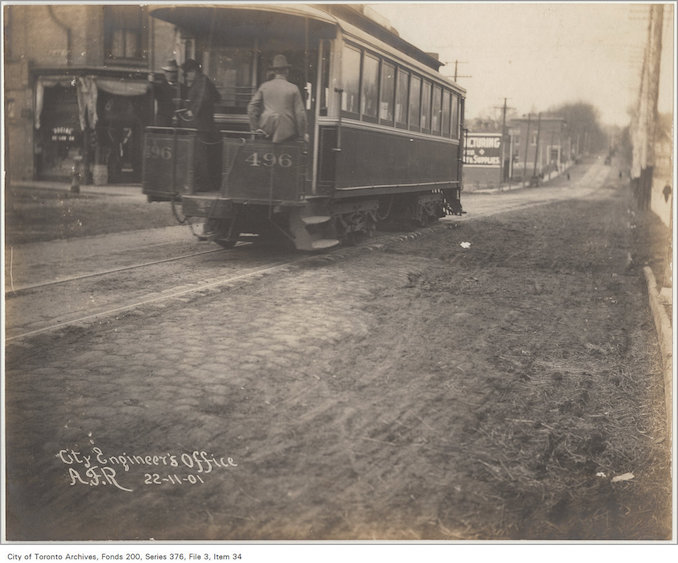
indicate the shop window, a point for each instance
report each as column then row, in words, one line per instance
column 125, row 33
column 401, row 98
column 415, row 102
column 370, row 86
column 350, row 73
column 426, row 106
column 446, row 113
column 387, row 92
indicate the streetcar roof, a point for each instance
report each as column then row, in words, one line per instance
column 247, row 19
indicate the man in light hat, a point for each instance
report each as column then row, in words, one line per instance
column 276, row 108
column 166, row 90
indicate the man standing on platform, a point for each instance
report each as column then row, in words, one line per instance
column 166, row 91
column 276, row 109
column 199, row 114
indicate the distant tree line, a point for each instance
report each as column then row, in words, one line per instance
column 583, row 121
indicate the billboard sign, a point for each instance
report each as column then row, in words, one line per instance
column 483, row 150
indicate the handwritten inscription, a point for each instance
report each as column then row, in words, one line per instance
column 94, row 468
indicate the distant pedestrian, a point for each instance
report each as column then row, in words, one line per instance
column 666, row 192
column 277, row 109
column 568, row 176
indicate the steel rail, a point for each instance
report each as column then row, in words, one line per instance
column 170, row 295
column 16, row 292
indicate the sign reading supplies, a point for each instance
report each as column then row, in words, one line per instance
column 483, row 150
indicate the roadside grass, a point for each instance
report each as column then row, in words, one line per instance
column 38, row 215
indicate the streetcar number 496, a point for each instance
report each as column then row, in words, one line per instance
column 283, row 160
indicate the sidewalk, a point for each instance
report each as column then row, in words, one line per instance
column 123, row 190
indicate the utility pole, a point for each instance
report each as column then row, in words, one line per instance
column 536, row 149
column 502, row 171
column 527, row 144
column 456, row 68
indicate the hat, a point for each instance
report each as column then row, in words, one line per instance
column 190, row 64
column 171, row 66
column 279, row 61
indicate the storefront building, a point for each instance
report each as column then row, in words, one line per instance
column 77, row 90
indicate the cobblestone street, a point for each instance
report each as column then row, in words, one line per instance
column 398, row 391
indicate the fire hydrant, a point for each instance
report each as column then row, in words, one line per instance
column 75, row 179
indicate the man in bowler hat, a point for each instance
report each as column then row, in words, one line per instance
column 199, row 114
column 276, row 109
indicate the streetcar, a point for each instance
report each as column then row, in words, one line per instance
column 384, row 128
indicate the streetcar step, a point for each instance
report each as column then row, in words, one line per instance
column 324, row 243
column 315, row 219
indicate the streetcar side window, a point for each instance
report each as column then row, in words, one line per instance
column 446, row 113
column 401, row 98
column 350, row 73
column 436, row 110
column 426, row 106
column 387, row 93
column 370, row 87
column 415, row 102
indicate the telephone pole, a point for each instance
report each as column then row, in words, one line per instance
column 527, row 146
column 456, row 68
column 536, row 149
column 503, row 173
column 645, row 120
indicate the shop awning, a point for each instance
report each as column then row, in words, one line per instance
column 87, row 89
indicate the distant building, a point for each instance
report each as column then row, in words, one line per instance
column 540, row 146
column 76, row 87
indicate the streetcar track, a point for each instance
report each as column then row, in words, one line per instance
column 16, row 292
column 166, row 296
column 200, row 287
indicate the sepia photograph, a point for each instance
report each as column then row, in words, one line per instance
column 340, row 274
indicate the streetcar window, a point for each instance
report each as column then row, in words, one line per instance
column 415, row 102
column 454, row 128
column 350, row 73
column 426, row 105
column 370, row 86
column 446, row 113
column 387, row 92
column 435, row 110
column 401, row 98
column 230, row 68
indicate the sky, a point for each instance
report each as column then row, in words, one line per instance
column 539, row 55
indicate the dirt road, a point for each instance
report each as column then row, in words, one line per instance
column 490, row 379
